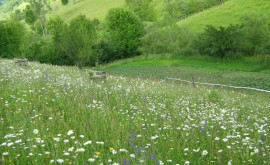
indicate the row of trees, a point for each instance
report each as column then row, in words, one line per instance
column 123, row 34
column 81, row 42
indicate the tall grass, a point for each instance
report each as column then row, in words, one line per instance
column 57, row 115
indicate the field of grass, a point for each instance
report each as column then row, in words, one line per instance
column 228, row 13
column 52, row 114
column 92, row 8
column 249, row 72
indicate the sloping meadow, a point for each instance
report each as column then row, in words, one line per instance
column 57, row 115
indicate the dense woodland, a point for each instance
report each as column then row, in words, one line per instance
column 126, row 32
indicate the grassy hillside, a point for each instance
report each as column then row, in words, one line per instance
column 228, row 13
column 3, row 2
column 91, row 8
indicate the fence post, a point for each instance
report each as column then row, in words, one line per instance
column 193, row 82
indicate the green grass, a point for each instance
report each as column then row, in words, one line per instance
column 93, row 8
column 250, row 72
column 248, row 64
column 228, row 13
column 50, row 113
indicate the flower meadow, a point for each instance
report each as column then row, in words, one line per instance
column 57, row 115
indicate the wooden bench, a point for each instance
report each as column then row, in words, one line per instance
column 97, row 75
column 21, row 61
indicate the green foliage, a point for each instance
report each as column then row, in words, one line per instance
column 19, row 14
column 82, row 37
column 231, row 42
column 256, row 34
column 37, row 11
column 219, row 41
column 73, row 43
column 125, row 30
column 64, row 2
column 170, row 39
column 11, row 36
column 30, row 16
column 142, row 8
column 58, row 30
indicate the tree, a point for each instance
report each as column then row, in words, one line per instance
column 58, row 30
column 125, row 30
column 30, row 16
column 73, row 43
column 142, row 8
column 83, row 36
column 37, row 11
column 169, row 39
column 64, row 2
column 11, row 35
column 219, row 41
column 19, row 14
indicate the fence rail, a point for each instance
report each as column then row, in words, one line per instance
column 221, row 85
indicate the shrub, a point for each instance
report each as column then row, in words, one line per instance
column 142, row 8
column 170, row 39
column 125, row 30
column 255, row 34
column 73, row 43
column 64, row 2
column 219, row 41
column 11, row 38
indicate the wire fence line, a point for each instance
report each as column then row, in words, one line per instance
column 221, row 85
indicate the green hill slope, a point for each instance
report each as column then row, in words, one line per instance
column 91, row 8
column 228, row 13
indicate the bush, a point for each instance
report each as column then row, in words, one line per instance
column 41, row 49
column 219, row 41
column 74, row 43
column 11, row 38
column 142, row 8
column 64, row 2
column 170, row 39
column 255, row 34
column 125, row 31
column 188, row 51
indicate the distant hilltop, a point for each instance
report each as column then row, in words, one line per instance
column 3, row 2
